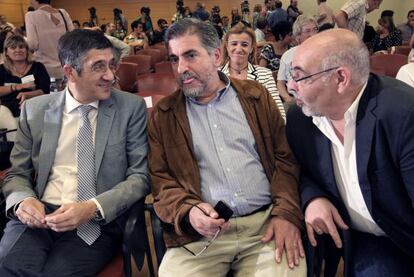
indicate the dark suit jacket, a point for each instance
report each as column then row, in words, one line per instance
column 385, row 158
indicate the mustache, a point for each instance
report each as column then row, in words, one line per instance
column 187, row 75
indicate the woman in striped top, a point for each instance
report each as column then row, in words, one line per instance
column 239, row 61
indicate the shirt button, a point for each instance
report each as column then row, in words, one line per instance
column 215, row 125
column 221, row 149
column 228, row 169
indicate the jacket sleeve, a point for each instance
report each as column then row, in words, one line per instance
column 172, row 201
column 285, row 177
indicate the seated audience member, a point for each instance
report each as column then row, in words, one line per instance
column 216, row 21
column 261, row 25
column 20, row 77
column 225, row 23
column 357, row 158
column 137, row 38
column 407, row 29
column 353, row 14
column 273, row 51
column 4, row 24
column 4, row 34
column 221, row 139
column 387, row 35
column 406, row 74
column 76, row 24
column 44, row 27
column 411, row 54
column 87, row 148
column 277, row 15
column 123, row 48
column 239, row 61
column 303, row 28
column 160, row 32
column 119, row 32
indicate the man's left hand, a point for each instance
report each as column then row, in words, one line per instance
column 287, row 237
column 69, row 216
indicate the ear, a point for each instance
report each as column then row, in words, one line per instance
column 343, row 79
column 70, row 73
column 217, row 55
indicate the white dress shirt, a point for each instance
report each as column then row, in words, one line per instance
column 345, row 169
column 62, row 184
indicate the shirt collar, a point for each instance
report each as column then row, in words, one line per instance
column 72, row 104
column 220, row 93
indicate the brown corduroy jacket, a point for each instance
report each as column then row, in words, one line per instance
column 174, row 170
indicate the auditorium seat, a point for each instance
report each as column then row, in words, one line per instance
column 403, row 50
column 390, row 63
column 127, row 76
column 155, row 54
column 165, row 83
column 164, row 67
column 143, row 62
column 162, row 48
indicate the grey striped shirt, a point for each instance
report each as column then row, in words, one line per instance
column 226, row 153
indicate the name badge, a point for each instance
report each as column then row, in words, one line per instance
column 28, row 79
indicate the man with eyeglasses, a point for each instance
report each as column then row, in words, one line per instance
column 219, row 139
column 303, row 28
column 352, row 133
column 78, row 164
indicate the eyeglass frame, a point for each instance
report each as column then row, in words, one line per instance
column 311, row 75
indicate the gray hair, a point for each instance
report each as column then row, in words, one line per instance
column 352, row 55
column 189, row 26
column 300, row 21
column 73, row 47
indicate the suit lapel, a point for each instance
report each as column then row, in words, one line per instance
column 364, row 133
column 106, row 113
column 52, row 123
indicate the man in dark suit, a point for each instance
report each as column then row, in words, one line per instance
column 78, row 164
column 354, row 139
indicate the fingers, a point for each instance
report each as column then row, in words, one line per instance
column 311, row 235
column 29, row 220
column 301, row 249
column 279, row 249
column 338, row 220
column 334, row 234
column 268, row 235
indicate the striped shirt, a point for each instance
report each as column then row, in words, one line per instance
column 226, row 153
column 264, row 77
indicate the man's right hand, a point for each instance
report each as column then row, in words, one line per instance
column 206, row 224
column 321, row 217
column 32, row 213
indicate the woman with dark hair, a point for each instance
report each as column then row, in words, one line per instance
column 20, row 77
column 4, row 34
column 239, row 60
column 273, row 51
column 44, row 27
column 387, row 35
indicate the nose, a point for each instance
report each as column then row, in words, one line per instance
column 292, row 85
column 109, row 74
column 182, row 66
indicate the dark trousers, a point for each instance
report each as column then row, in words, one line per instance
column 379, row 257
column 42, row 252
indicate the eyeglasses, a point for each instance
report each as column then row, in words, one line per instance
column 209, row 242
column 297, row 80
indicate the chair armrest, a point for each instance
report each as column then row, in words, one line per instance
column 135, row 236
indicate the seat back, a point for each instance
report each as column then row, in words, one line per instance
column 164, row 67
column 161, row 82
column 391, row 63
column 143, row 62
column 155, row 54
column 127, row 76
column 163, row 49
column 403, row 50
column 151, row 99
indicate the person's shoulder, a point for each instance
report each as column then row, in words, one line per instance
column 262, row 70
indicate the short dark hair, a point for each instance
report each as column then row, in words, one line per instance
column 410, row 11
column 281, row 30
column 387, row 13
column 261, row 22
column 43, row 1
column 73, row 46
column 135, row 24
column 190, row 26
